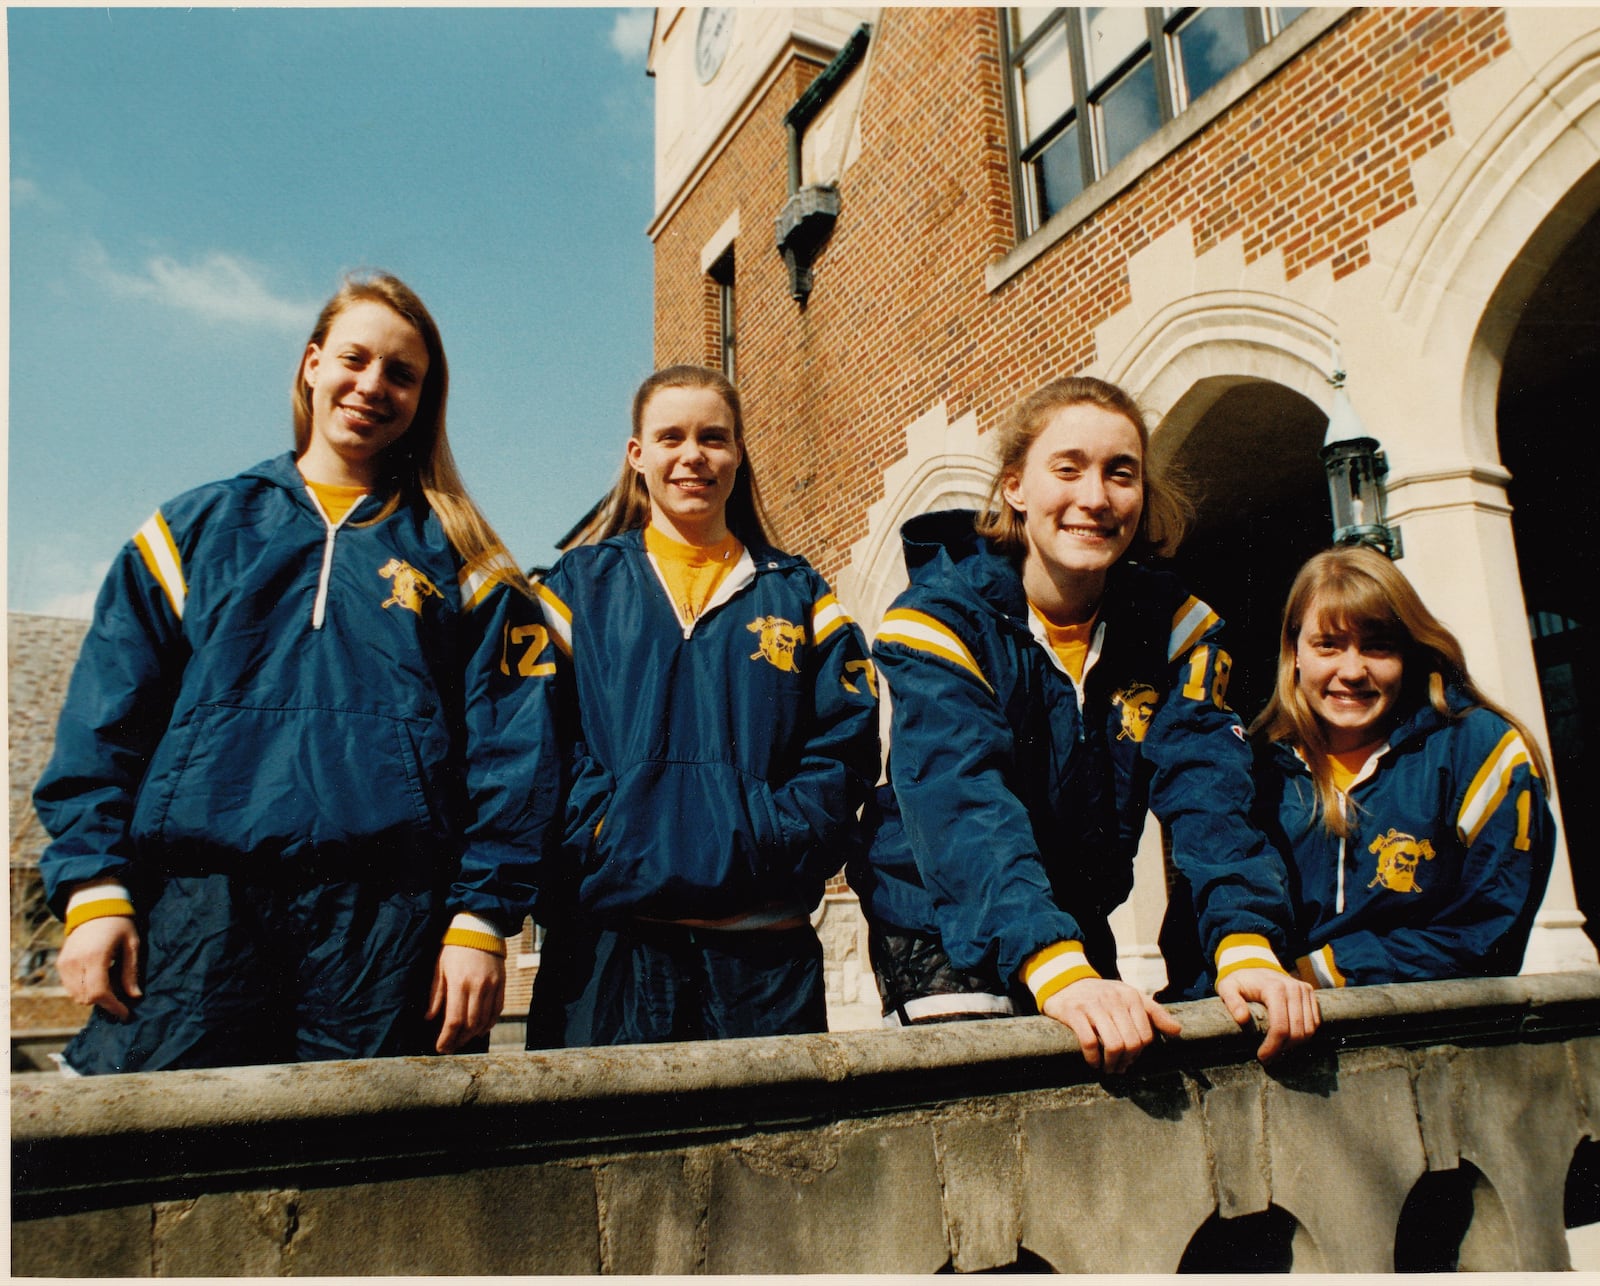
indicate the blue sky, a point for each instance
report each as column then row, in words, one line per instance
column 187, row 187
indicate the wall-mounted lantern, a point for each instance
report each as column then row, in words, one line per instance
column 1356, row 466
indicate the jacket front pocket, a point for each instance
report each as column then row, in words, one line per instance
column 279, row 783
column 684, row 840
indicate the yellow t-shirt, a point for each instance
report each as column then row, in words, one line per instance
column 1069, row 642
column 692, row 572
column 1347, row 767
column 336, row 502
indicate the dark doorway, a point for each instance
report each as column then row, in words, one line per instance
column 1550, row 442
column 1263, row 502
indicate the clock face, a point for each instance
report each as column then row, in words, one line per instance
column 711, row 41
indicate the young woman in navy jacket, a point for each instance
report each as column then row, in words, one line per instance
column 721, row 724
column 1412, row 808
column 302, row 774
column 1045, row 691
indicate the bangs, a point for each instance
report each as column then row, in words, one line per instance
column 1354, row 605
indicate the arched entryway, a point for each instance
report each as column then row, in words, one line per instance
column 1251, row 461
column 1549, row 440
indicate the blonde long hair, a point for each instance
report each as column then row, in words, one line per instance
column 421, row 461
column 1168, row 511
column 1358, row 590
column 627, row 507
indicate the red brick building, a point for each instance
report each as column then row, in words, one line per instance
column 1213, row 207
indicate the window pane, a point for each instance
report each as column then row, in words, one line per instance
column 1045, row 85
column 1283, row 17
column 729, row 339
column 1058, row 172
column 1110, row 36
column 1024, row 22
column 1130, row 112
column 1211, row 44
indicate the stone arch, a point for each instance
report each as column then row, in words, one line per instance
column 1581, row 1205
column 1026, row 1261
column 1269, row 1241
column 1520, row 277
column 1515, row 202
column 1486, row 237
column 1490, row 1241
column 1502, row 209
column 1213, row 339
column 1453, row 1220
column 1215, row 371
column 945, row 467
column 1255, row 525
column 1529, row 380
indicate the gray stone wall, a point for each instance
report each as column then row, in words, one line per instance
column 1433, row 1124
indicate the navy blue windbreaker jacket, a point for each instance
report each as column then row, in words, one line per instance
column 1017, row 801
column 1449, row 852
column 259, row 694
column 717, row 767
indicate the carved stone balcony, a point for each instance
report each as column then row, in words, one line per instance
column 1433, row 1125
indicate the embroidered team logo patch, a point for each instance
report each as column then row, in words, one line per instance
column 1399, row 855
column 411, row 587
column 1135, row 704
column 779, row 639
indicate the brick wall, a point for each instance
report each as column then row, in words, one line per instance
column 40, row 655
column 1307, row 165
column 41, row 651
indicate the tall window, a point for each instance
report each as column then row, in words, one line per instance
column 727, row 330
column 1089, row 85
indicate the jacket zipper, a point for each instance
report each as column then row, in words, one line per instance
column 744, row 571
column 1096, row 642
column 1367, row 770
column 319, row 609
column 1338, row 901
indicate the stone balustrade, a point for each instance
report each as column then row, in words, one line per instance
column 1430, row 1125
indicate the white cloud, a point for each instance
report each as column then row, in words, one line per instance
column 76, row 607
column 75, row 585
column 217, row 287
column 630, row 33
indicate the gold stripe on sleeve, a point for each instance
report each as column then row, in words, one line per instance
column 557, row 615
column 922, row 633
column 826, row 617
column 1490, row 784
column 1189, row 624
column 160, row 554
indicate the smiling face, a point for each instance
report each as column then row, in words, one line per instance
column 1080, row 493
column 365, row 380
column 1349, row 679
column 688, row 455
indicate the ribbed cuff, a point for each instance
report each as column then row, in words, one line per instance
column 1318, row 969
column 470, row 931
column 1245, row 951
column 96, row 901
column 1049, row 969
